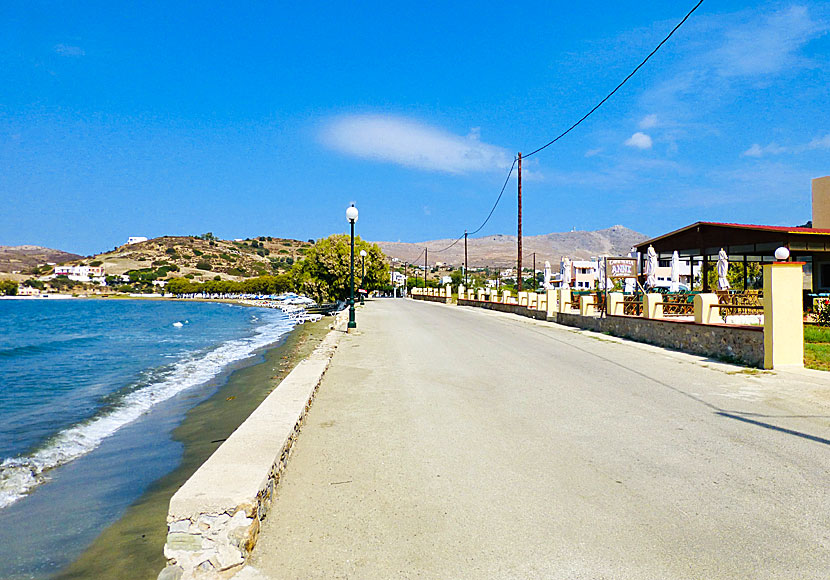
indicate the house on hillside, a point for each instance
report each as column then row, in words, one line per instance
column 81, row 273
column 135, row 239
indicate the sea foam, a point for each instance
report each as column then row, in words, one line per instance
column 20, row 475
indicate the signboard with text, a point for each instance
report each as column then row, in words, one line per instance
column 622, row 268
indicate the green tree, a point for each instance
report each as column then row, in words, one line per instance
column 8, row 287
column 324, row 273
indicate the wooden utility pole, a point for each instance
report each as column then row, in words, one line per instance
column 534, row 271
column 520, row 223
column 465, row 258
column 426, row 253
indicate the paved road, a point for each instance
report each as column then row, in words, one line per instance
column 449, row 442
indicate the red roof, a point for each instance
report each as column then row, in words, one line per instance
column 767, row 228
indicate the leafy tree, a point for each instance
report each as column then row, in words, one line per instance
column 8, row 287
column 324, row 274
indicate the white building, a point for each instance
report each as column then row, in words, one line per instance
column 136, row 239
column 81, row 273
column 398, row 279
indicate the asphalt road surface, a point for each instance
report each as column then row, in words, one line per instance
column 451, row 442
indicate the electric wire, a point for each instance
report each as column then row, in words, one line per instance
column 619, row 86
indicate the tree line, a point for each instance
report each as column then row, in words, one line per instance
column 323, row 275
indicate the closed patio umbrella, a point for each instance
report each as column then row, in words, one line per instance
column 723, row 268
column 547, row 275
column 566, row 272
column 651, row 268
column 675, row 272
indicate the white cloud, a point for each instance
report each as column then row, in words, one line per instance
column 592, row 152
column 639, row 140
column 413, row 144
column 774, row 149
column 820, row 143
column 757, row 151
column 69, row 50
column 648, row 122
column 766, row 44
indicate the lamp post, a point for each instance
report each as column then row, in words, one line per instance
column 351, row 215
column 362, row 273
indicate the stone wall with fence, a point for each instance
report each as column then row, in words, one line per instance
column 727, row 326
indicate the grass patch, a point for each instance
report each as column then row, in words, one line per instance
column 816, row 333
column 817, row 356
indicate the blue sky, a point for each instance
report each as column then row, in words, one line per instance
column 260, row 118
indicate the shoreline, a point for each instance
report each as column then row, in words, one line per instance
column 131, row 548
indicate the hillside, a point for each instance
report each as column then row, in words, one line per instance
column 500, row 250
column 25, row 258
column 202, row 257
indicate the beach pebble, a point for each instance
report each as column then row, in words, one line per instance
column 171, row 573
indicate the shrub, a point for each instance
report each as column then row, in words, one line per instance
column 203, row 265
column 823, row 312
column 95, row 263
column 197, row 253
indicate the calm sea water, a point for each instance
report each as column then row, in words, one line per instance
column 80, row 379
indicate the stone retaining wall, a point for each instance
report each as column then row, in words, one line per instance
column 742, row 344
column 511, row 308
column 427, row 298
column 213, row 520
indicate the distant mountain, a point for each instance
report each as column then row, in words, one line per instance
column 500, row 250
column 24, row 258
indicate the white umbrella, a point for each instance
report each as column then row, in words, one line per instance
column 566, row 272
column 675, row 272
column 651, row 268
column 631, row 283
column 723, row 268
column 547, row 275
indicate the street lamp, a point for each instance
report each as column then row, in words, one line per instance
column 351, row 215
column 363, row 273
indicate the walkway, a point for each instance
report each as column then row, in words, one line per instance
column 449, row 442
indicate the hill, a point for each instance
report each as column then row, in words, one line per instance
column 26, row 258
column 202, row 257
column 500, row 250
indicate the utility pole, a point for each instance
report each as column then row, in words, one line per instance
column 465, row 259
column 405, row 289
column 426, row 253
column 534, row 271
column 519, row 277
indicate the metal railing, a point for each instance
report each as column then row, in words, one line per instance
column 740, row 303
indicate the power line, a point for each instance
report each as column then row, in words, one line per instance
column 498, row 199
column 619, row 86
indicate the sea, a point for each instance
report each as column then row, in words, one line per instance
column 90, row 391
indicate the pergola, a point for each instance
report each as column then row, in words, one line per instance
column 744, row 243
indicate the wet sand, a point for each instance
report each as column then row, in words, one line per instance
column 132, row 547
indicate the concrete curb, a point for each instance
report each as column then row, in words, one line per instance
column 213, row 519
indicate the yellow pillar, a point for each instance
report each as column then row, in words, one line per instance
column 552, row 305
column 615, row 303
column 653, row 305
column 783, row 316
column 564, row 300
column 522, row 298
column 704, row 313
column 505, row 296
column 586, row 305
column 532, row 300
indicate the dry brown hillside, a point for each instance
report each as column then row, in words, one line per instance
column 500, row 250
column 24, row 258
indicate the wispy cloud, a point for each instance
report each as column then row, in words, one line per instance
column 648, row 122
column 412, row 144
column 639, row 140
column 750, row 46
column 757, row 150
column 69, row 50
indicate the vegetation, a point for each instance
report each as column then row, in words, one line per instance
column 323, row 274
column 8, row 288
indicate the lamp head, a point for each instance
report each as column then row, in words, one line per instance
column 782, row 254
column 363, row 253
column 351, row 213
